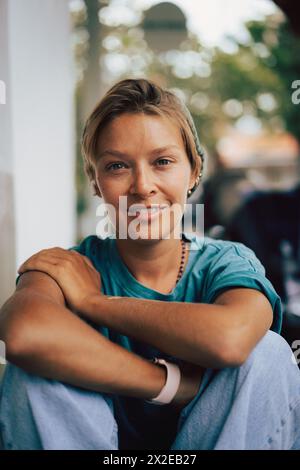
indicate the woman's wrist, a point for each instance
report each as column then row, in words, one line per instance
column 191, row 377
column 184, row 393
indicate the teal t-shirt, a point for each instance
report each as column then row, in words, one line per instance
column 213, row 267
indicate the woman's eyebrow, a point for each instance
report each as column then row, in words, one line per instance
column 114, row 153
column 163, row 149
column 117, row 153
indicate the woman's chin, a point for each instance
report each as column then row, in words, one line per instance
column 147, row 236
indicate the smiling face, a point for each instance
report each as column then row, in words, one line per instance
column 143, row 157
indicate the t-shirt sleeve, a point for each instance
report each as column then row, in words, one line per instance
column 235, row 265
column 86, row 247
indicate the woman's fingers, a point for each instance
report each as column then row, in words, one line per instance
column 40, row 264
column 58, row 261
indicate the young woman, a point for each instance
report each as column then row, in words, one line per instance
column 84, row 325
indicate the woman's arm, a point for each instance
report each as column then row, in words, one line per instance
column 211, row 335
column 45, row 338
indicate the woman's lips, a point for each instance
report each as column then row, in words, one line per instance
column 146, row 213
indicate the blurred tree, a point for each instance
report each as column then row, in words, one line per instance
column 256, row 80
column 283, row 60
column 221, row 85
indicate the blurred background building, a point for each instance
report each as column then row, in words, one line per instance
column 236, row 66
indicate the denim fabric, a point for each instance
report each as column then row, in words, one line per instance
column 254, row 406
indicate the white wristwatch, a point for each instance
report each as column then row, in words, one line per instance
column 171, row 386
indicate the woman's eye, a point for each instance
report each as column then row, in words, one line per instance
column 163, row 161
column 115, row 166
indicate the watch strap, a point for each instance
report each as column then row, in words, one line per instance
column 171, row 386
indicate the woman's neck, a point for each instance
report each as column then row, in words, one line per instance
column 153, row 263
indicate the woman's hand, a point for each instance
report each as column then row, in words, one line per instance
column 74, row 273
column 191, row 378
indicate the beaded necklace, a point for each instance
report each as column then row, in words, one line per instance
column 182, row 262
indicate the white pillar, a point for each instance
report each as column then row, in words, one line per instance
column 37, row 141
column 7, row 220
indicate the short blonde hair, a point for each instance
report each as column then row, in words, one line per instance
column 138, row 96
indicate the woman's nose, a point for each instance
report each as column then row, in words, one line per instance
column 142, row 183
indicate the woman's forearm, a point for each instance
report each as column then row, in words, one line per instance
column 197, row 333
column 47, row 339
column 54, row 343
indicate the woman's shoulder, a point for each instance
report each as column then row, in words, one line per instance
column 211, row 253
column 205, row 244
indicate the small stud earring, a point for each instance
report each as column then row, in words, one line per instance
column 199, row 177
column 196, row 184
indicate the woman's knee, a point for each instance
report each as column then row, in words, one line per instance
column 272, row 363
column 271, row 350
column 55, row 414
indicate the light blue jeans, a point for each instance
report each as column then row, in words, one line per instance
column 254, row 406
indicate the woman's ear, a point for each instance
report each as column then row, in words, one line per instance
column 96, row 189
column 96, row 185
column 196, row 173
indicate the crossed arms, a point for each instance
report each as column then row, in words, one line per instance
column 43, row 326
